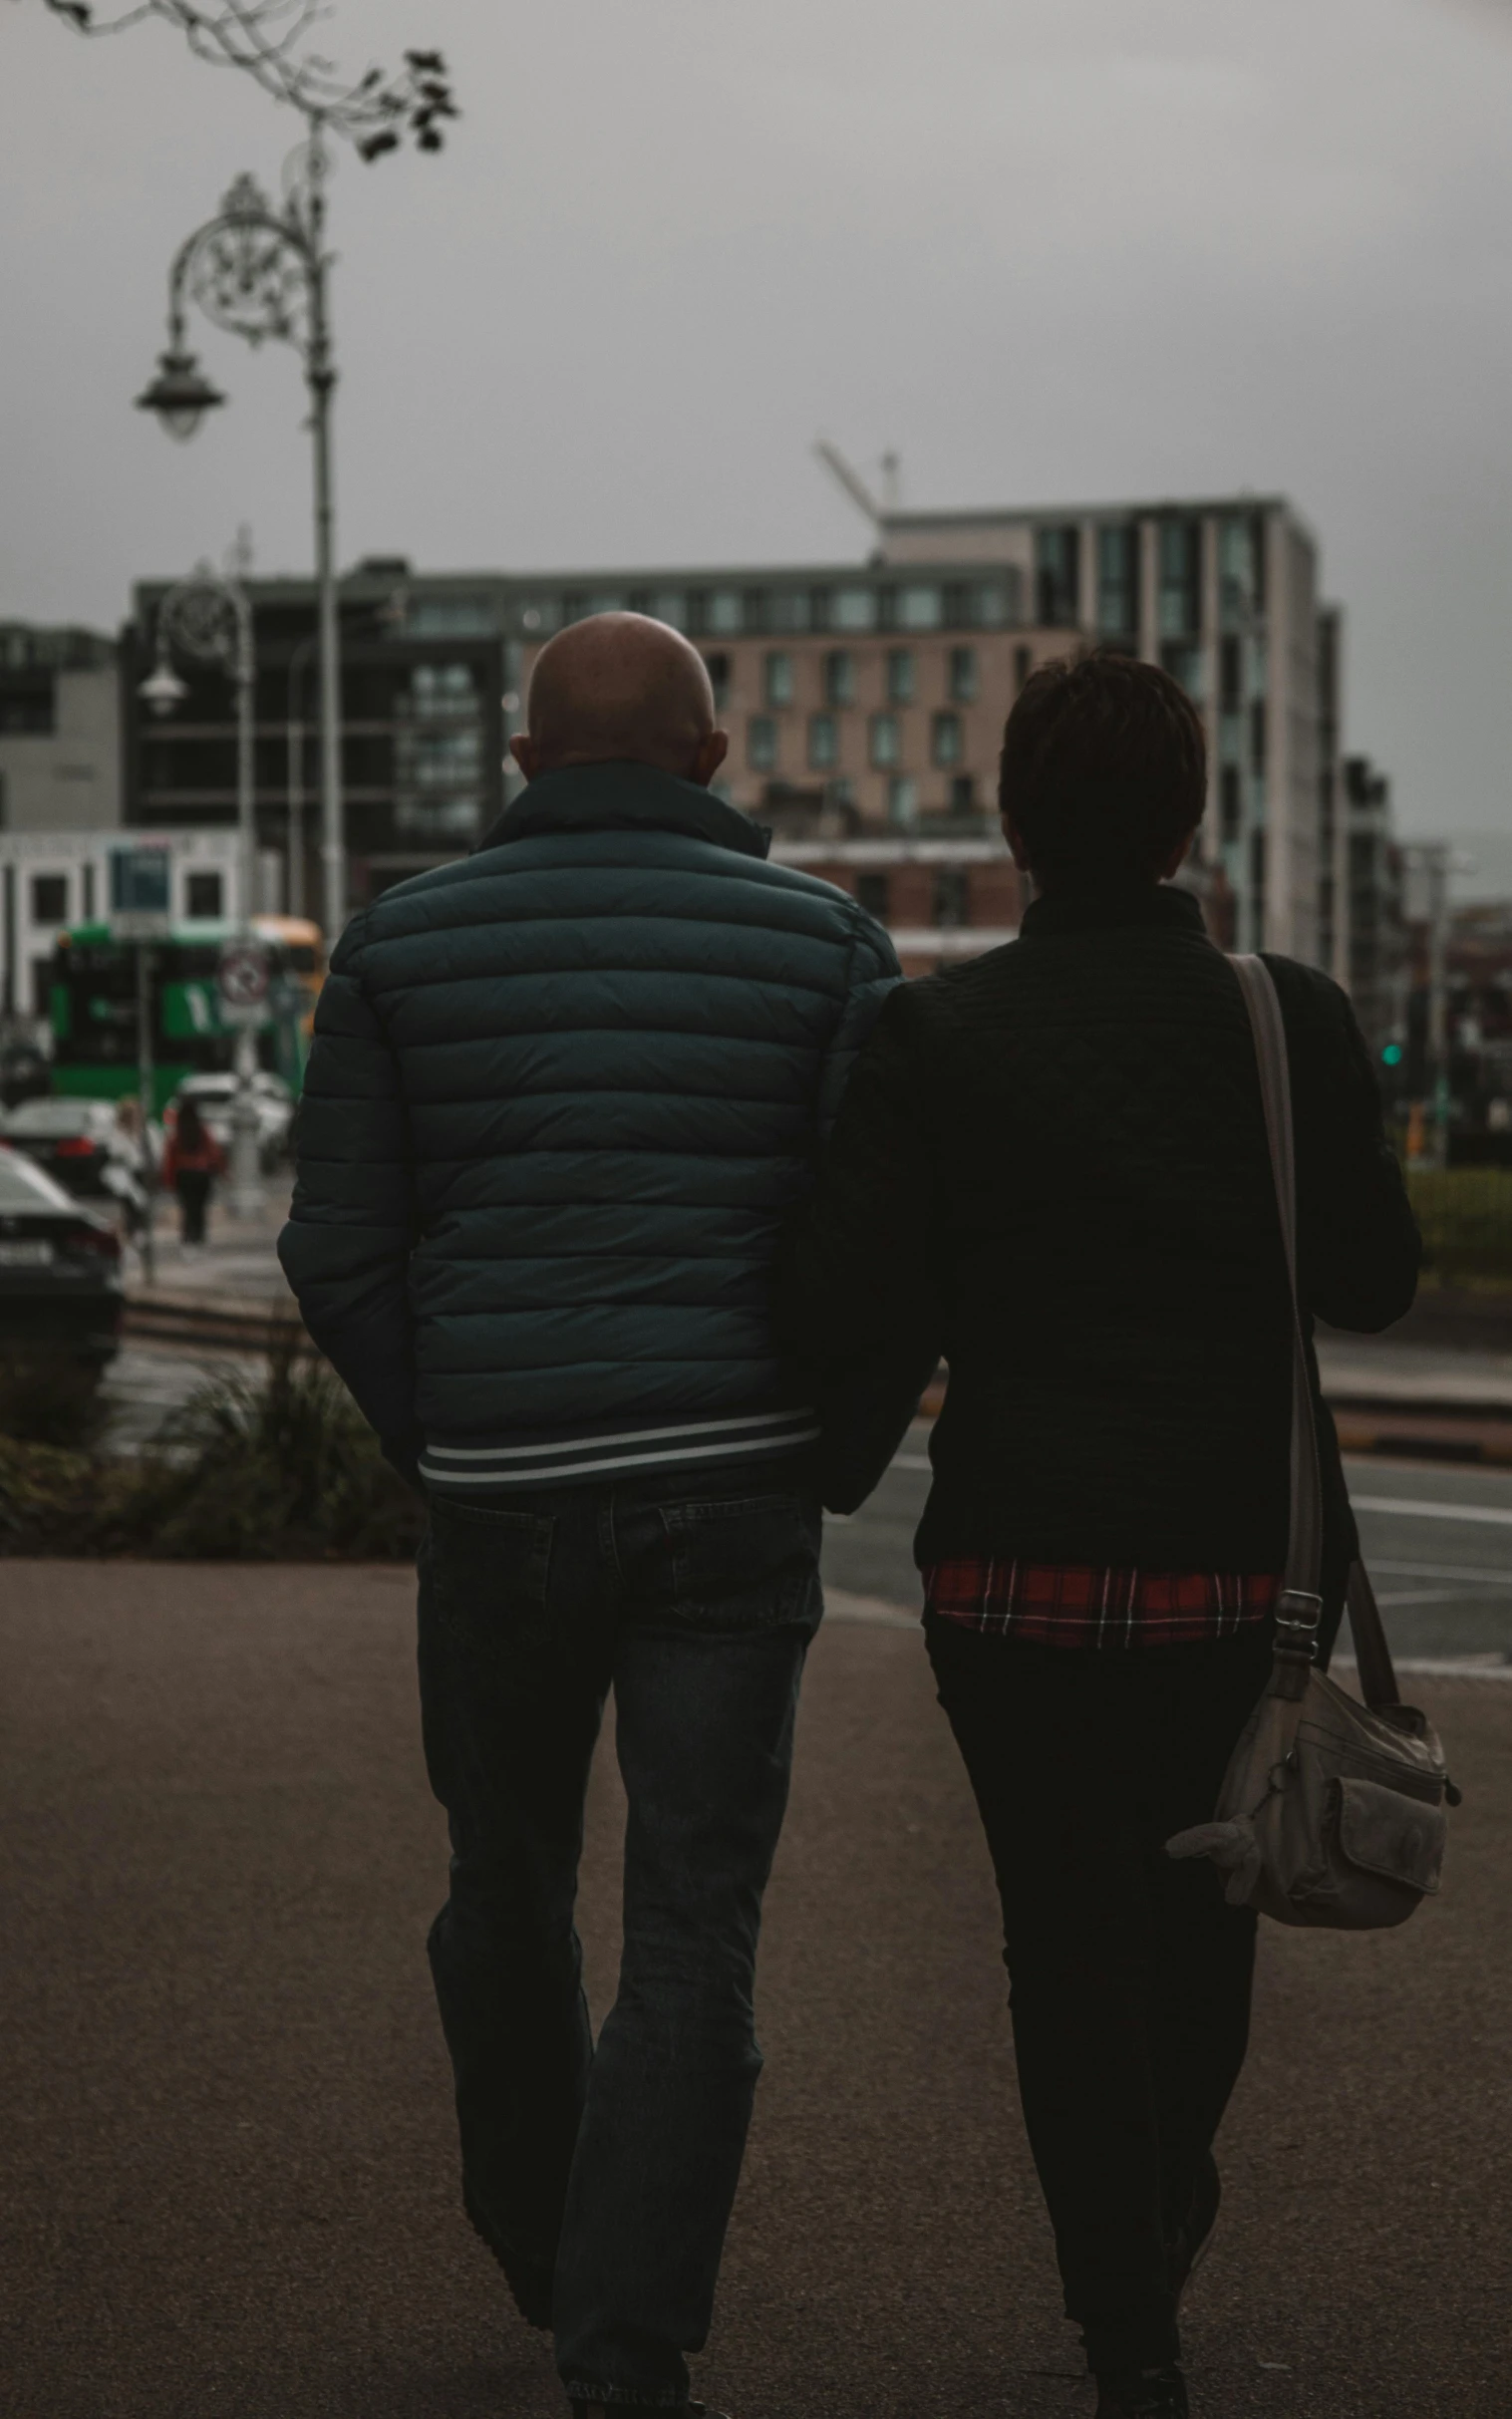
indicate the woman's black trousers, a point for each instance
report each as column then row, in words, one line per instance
column 1130, row 1975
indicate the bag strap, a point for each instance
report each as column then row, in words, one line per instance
column 1299, row 1607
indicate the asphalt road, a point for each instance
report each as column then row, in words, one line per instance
column 224, row 2124
column 1437, row 1540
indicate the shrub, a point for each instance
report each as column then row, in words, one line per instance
column 47, row 1398
column 1465, row 1213
column 276, row 1464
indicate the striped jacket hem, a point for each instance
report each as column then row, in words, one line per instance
column 618, row 1453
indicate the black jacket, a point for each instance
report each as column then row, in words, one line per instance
column 1050, row 1167
column 562, row 1097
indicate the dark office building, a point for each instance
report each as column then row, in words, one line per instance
column 424, row 673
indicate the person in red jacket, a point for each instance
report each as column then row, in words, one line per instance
column 192, row 1162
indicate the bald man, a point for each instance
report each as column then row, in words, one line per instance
column 562, row 1097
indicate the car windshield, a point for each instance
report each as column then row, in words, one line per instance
column 23, row 1186
column 53, row 1116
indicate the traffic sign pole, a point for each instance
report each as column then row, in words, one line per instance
column 243, row 985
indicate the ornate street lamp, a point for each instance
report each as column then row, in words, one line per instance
column 261, row 271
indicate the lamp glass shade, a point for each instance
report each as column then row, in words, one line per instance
column 180, row 394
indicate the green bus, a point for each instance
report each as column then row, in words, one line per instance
column 93, row 1010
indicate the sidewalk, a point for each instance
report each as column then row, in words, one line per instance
column 230, row 2189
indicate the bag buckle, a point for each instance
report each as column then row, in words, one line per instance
column 1298, row 1616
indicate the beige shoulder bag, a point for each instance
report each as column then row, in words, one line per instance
column 1332, row 1811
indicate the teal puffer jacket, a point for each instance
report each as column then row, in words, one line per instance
column 560, row 1099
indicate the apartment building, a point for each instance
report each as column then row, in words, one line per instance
column 865, row 702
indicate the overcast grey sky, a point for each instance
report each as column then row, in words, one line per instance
column 1051, row 250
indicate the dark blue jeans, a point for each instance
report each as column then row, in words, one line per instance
column 604, row 2180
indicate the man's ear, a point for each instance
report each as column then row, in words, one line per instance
column 1015, row 844
column 525, row 754
column 1177, row 857
column 709, row 756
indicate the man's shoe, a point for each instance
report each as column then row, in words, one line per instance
column 1194, row 2235
column 616, row 2410
column 528, row 2282
column 1149, row 2393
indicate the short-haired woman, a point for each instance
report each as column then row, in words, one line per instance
column 1051, row 1164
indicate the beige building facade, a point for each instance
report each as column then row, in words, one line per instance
column 866, row 704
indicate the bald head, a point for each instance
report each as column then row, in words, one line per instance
column 620, row 688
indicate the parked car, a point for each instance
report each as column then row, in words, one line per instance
column 214, row 1097
column 60, row 1266
column 83, row 1146
column 24, row 1072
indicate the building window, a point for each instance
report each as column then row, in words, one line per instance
column 945, row 739
column 886, row 741
column 900, row 675
column 776, row 679
column 787, row 609
column 839, row 678
column 1229, row 804
column 963, row 794
column 903, row 801
column 854, row 609
column 1180, row 578
column 1257, row 735
column 1117, row 580
column 718, row 669
column 1182, row 659
column 1230, row 676
column 918, row 609
column 962, row 676
column 1058, row 576
column 951, row 897
column 1241, row 569
column 1024, row 664
column 49, row 898
column 823, row 743
column 723, row 612
column 203, row 897
column 871, row 893
column 670, row 606
column 89, row 894
column 762, row 743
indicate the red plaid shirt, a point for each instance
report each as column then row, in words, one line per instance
column 1080, row 1604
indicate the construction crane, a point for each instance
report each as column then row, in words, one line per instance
column 855, row 485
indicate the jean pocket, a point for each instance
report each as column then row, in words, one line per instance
column 749, row 1562
column 489, row 1573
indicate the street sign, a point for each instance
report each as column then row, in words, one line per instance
column 243, row 978
column 141, row 893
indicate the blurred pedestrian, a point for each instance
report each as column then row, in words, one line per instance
column 560, row 1097
column 192, row 1163
column 1050, row 1166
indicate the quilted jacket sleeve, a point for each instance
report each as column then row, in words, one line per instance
column 858, row 1302
column 345, row 1248
column 874, row 971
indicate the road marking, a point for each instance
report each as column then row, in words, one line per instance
column 1444, row 1570
column 1412, row 1507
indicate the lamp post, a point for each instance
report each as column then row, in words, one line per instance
column 262, row 271
column 209, row 618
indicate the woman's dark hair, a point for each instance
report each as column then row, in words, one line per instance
column 1104, row 772
column 189, row 1129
